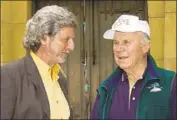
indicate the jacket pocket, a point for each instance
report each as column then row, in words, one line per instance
column 157, row 112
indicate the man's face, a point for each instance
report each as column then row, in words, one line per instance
column 60, row 45
column 129, row 49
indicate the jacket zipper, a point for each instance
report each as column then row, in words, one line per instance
column 104, row 108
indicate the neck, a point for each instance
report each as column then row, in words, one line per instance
column 44, row 58
column 136, row 72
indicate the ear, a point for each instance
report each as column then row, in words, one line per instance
column 44, row 40
column 146, row 47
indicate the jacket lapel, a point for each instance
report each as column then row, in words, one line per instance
column 34, row 76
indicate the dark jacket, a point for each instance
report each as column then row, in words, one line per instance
column 159, row 105
column 23, row 95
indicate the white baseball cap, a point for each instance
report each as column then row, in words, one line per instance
column 127, row 23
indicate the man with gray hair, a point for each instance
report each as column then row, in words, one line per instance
column 34, row 87
column 137, row 88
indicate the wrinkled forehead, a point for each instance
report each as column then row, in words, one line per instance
column 130, row 35
column 67, row 32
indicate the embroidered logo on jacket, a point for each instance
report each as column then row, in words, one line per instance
column 155, row 87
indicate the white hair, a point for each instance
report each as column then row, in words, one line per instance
column 46, row 21
column 146, row 38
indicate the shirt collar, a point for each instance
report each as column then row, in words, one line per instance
column 46, row 69
column 54, row 71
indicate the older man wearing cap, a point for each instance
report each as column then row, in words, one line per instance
column 137, row 88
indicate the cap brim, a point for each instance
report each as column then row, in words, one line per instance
column 109, row 34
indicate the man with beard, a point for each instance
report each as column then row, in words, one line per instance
column 34, row 87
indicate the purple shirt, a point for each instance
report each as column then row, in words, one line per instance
column 121, row 100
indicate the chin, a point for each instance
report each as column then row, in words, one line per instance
column 123, row 66
column 61, row 61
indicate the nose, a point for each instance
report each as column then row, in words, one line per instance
column 119, row 48
column 71, row 45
